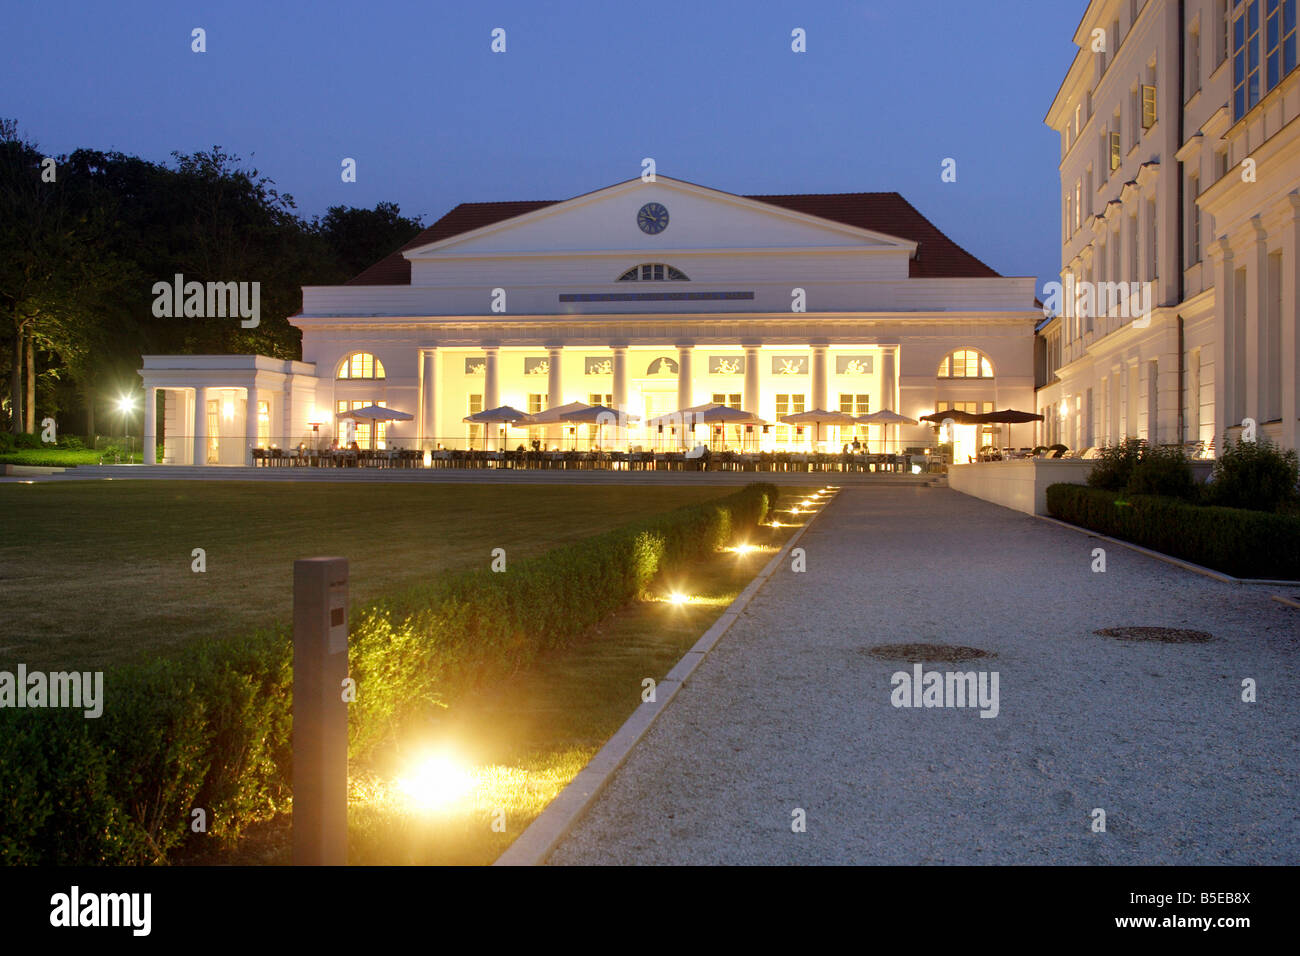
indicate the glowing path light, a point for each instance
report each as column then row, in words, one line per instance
column 435, row 783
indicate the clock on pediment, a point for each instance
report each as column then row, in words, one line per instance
column 652, row 218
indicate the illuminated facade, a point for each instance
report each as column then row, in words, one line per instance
column 650, row 297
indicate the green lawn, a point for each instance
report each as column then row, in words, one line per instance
column 58, row 457
column 519, row 741
column 96, row 573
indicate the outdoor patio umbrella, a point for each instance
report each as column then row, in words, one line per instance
column 554, row 416
column 724, row 415
column 501, row 415
column 886, row 417
column 598, row 415
column 683, row 416
column 817, row 417
column 376, row 413
column 1009, row 417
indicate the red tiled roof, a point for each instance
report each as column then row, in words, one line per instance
column 937, row 256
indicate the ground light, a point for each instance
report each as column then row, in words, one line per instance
column 434, row 782
column 678, row 598
column 744, row 548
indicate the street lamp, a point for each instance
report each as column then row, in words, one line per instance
column 126, row 405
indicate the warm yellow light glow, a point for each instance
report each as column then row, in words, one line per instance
column 228, row 409
column 434, row 783
column 428, row 459
column 678, row 598
column 744, row 548
column 124, row 404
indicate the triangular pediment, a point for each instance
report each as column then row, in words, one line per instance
column 699, row 219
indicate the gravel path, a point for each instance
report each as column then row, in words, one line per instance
column 789, row 710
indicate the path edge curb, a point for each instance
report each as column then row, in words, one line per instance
column 539, row 841
column 1170, row 559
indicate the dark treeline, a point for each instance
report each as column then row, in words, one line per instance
column 83, row 240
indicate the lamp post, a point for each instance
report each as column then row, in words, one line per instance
column 125, row 405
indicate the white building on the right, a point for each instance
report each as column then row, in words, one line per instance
column 1180, row 167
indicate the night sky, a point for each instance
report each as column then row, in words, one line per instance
column 711, row 90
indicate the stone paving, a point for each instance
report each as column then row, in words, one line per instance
column 791, row 713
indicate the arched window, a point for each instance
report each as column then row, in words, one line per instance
column 361, row 365
column 654, row 272
column 965, row 363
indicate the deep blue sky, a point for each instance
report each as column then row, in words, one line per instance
column 711, row 90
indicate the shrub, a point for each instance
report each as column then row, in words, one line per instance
column 1254, row 475
column 1114, row 466
column 27, row 440
column 70, row 441
column 1162, row 471
column 210, row 727
column 1242, row 543
column 6, row 442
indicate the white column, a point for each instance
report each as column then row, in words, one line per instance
column 201, row 426
column 685, row 388
column 151, row 424
column 556, row 434
column 752, row 369
column 818, row 397
column 428, row 398
column 250, row 422
column 620, row 389
column 491, row 392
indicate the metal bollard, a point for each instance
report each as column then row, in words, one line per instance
column 320, row 715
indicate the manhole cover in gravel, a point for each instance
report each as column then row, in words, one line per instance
column 926, row 652
column 1165, row 635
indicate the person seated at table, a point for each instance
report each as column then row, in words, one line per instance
column 857, row 446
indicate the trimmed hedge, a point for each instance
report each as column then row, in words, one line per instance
column 211, row 727
column 1245, row 544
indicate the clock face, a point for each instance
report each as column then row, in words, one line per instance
column 652, row 218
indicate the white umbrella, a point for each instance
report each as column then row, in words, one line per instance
column 886, row 417
column 376, row 413
column 502, row 414
column 817, row 417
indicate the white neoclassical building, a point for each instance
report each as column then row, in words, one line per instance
column 647, row 296
column 1180, row 171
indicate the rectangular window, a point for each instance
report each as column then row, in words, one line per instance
column 1279, row 40
column 1078, row 205
column 786, row 435
column 263, row 424
column 1148, row 106
column 1115, row 157
column 1193, row 221
column 854, row 404
column 1246, row 59
column 475, row 405
column 1153, row 231
column 1193, row 63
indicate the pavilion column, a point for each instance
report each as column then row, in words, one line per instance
column 491, row 392
column 889, row 386
column 752, row 369
column 818, row 398
column 250, row 419
column 201, row 426
column 428, row 398
column 620, row 390
column 685, row 388
column 555, row 435
column 150, row 424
